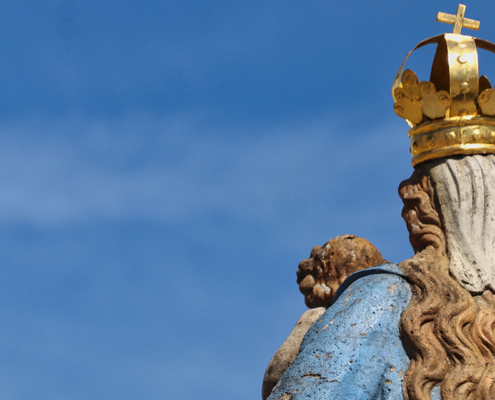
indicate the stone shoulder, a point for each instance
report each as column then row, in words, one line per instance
column 354, row 349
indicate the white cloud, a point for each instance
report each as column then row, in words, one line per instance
column 171, row 168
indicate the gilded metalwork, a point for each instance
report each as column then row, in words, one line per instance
column 458, row 20
column 408, row 97
column 448, row 115
column 435, row 104
column 416, row 100
column 486, row 100
column 451, row 136
column 463, row 72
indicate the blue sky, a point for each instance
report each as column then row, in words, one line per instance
column 166, row 165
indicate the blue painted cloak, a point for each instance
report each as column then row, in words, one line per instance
column 354, row 350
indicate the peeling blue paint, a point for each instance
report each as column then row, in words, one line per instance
column 354, row 351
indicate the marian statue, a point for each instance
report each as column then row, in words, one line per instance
column 423, row 328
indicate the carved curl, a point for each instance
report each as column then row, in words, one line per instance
column 448, row 334
column 320, row 276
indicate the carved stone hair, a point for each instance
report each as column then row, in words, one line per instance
column 448, row 333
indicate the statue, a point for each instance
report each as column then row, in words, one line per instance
column 319, row 277
column 424, row 328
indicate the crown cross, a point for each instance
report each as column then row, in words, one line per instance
column 458, row 20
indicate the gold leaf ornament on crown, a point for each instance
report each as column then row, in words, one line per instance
column 454, row 112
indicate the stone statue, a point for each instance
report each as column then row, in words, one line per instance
column 423, row 328
column 319, row 277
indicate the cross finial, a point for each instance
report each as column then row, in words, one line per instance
column 458, row 20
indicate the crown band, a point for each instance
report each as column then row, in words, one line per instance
column 464, row 135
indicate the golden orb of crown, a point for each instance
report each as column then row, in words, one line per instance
column 454, row 112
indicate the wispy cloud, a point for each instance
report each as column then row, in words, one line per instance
column 159, row 168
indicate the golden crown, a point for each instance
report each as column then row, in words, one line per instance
column 453, row 113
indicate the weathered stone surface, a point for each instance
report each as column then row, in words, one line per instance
column 289, row 350
column 320, row 276
column 447, row 326
column 354, row 350
column 466, row 193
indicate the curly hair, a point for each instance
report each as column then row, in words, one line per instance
column 448, row 333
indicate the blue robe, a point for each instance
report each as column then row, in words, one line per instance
column 354, row 350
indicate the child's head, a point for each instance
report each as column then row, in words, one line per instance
column 320, row 276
